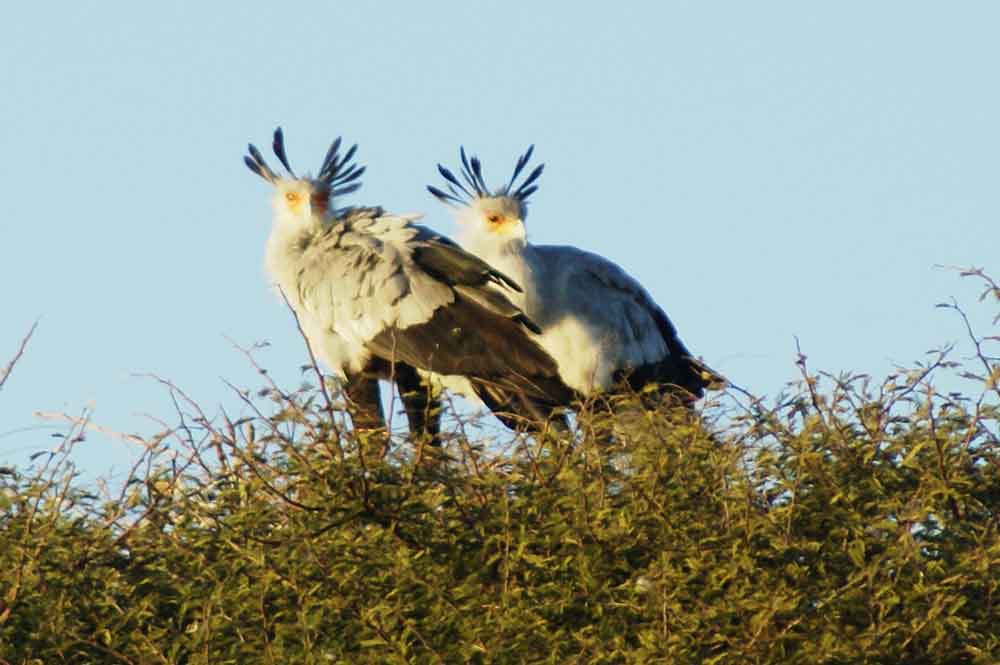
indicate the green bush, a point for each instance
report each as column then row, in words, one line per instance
column 849, row 521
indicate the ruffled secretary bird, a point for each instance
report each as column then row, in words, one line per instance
column 378, row 296
column 602, row 327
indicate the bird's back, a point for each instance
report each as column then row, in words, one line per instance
column 603, row 326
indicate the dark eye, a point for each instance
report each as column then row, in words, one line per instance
column 494, row 218
column 291, row 197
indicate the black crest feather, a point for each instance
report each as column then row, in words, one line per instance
column 522, row 191
column 255, row 162
column 469, row 174
column 337, row 172
column 328, row 161
column 453, row 182
column 521, row 161
column 475, row 183
column 443, row 196
column 278, row 145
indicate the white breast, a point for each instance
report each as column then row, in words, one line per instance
column 339, row 354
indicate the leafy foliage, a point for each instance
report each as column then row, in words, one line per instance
column 849, row 521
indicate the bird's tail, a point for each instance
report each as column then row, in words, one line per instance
column 707, row 377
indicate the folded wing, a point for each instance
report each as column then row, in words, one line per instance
column 407, row 294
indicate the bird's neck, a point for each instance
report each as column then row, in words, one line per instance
column 492, row 249
column 285, row 248
column 511, row 256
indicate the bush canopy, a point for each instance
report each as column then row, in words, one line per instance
column 848, row 520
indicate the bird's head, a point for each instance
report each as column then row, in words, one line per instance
column 489, row 217
column 304, row 201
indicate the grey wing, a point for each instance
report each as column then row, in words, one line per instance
column 409, row 295
column 360, row 276
column 444, row 257
column 651, row 350
column 480, row 333
column 468, row 274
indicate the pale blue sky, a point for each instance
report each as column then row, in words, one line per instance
column 768, row 170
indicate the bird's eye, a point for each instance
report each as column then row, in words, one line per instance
column 494, row 218
column 291, row 197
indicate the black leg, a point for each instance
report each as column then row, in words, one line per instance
column 366, row 401
column 423, row 409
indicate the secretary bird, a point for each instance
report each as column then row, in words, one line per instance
column 379, row 296
column 604, row 330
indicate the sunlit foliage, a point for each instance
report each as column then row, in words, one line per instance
column 849, row 520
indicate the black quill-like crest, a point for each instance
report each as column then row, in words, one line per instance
column 475, row 184
column 336, row 173
column 255, row 162
column 278, row 145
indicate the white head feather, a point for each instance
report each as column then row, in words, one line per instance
column 303, row 203
column 490, row 222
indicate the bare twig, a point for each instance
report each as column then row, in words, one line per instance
column 810, row 382
column 331, row 411
column 84, row 423
column 5, row 372
column 990, row 376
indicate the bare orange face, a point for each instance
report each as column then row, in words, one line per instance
column 497, row 214
column 293, row 200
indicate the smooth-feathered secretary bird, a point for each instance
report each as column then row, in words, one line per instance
column 601, row 326
column 378, row 296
